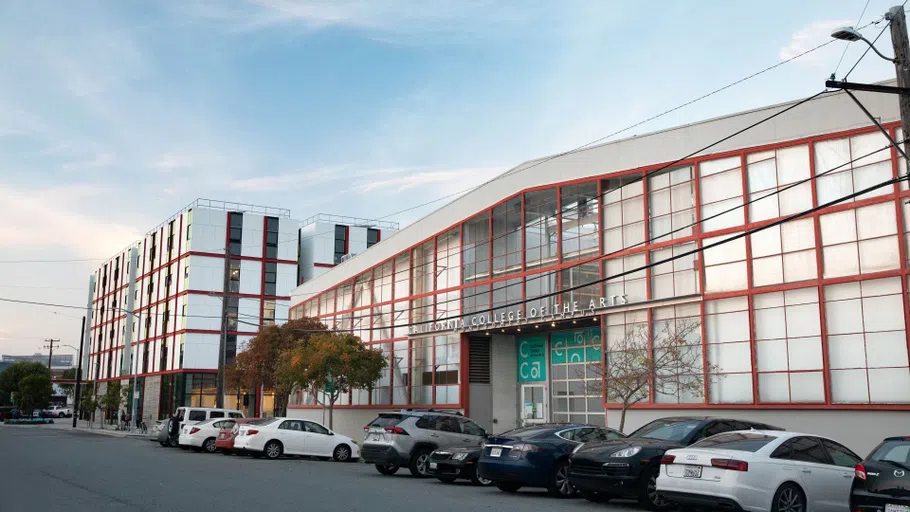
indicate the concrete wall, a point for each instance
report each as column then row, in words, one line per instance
column 504, row 373
column 151, row 397
column 860, row 431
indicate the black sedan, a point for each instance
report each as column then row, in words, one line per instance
column 628, row 468
column 537, row 456
column 881, row 483
column 451, row 464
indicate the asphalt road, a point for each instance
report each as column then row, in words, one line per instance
column 58, row 470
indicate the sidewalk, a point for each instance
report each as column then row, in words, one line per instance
column 83, row 426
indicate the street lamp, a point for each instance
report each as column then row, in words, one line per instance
column 850, row 34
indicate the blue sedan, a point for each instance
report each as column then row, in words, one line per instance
column 537, row 456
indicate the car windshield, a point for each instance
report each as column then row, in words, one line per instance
column 263, row 422
column 894, row 451
column 740, row 441
column 667, row 429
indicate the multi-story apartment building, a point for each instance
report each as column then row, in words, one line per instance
column 505, row 302
column 328, row 240
column 178, row 302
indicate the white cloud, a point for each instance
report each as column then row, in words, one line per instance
column 297, row 180
column 54, row 218
column 811, row 36
column 440, row 180
column 172, row 161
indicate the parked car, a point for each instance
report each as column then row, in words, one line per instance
column 537, row 456
column 8, row 412
column 190, row 416
column 628, row 468
column 760, row 471
column 225, row 439
column 274, row 437
column 450, row 464
column 406, row 438
column 202, row 435
column 58, row 411
column 882, row 481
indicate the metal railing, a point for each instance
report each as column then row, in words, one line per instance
column 349, row 221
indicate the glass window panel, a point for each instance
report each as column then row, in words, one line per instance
column 876, row 221
column 762, row 175
column 807, row 387
column 728, row 277
column 800, row 266
column 796, row 199
column 887, row 286
column 721, row 186
column 805, row 353
column 833, row 186
column 803, row 320
column 868, row 148
column 541, row 226
column 838, row 228
column 889, row 385
column 841, row 260
column 844, row 316
column 766, row 242
column 883, row 313
column 731, row 389
column 763, row 206
column 849, row 387
column 475, row 253
column 767, row 271
column 770, row 323
column 798, row 235
column 846, row 351
column 871, row 175
column 728, row 214
column 727, row 327
column 792, row 164
column 886, row 349
column 771, row 355
column 831, row 153
column 730, row 357
column 734, row 250
column 774, row 387
column 879, row 254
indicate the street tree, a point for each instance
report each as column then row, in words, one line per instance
column 111, row 401
column 332, row 364
column 87, row 406
column 260, row 364
column 11, row 379
column 34, row 393
column 671, row 364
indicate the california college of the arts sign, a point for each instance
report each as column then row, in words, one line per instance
column 509, row 318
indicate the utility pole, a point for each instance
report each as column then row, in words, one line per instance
column 901, row 43
column 49, row 344
column 222, row 343
column 85, row 346
column 76, row 395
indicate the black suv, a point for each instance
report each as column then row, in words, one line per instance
column 628, row 468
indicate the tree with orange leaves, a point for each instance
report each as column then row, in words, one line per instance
column 332, row 364
column 262, row 362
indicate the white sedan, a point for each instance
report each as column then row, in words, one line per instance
column 760, row 471
column 274, row 437
column 201, row 436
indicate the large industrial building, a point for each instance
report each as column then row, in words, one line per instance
column 180, row 285
column 503, row 303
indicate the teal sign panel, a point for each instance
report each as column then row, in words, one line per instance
column 532, row 358
column 578, row 346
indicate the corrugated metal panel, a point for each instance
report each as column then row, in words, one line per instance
column 479, row 360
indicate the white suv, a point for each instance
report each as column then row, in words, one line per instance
column 59, row 411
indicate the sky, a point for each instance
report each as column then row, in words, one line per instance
column 115, row 115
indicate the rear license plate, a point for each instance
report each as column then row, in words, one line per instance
column 373, row 437
column 896, row 508
column 692, row 472
column 495, row 452
column 433, row 465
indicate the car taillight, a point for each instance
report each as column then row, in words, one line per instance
column 366, row 428
column 860, row 472
column 731, row 464
column 396, row 430
column 252, row 432
column 194, row 430
column 667, row 459
column 521, row 450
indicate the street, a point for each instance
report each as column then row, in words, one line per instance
column 59, row 470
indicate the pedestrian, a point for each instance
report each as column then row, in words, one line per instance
column 122, row 419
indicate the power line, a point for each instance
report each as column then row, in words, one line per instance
column 847, row 47
column 869, row 47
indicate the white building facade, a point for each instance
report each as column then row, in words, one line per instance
column 499, row 304
column 328, row 240
column 178, row 302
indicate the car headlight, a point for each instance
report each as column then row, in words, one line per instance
column 626, row 452
column 459, row 456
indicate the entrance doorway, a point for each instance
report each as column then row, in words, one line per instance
column 534, row 404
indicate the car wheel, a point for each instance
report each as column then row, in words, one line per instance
column 209, row 445
column 273, row 449
column 650, row 498
column 788, row 498
column 559, row 486
column 479, row 480
column 172, row 442
column 420, row 462
column 342, row 453
column 61, row 415
column 162, row 443
column 595, row 497
column 508, row 486
column 387, row 469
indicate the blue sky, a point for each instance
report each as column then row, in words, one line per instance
column 114, row 115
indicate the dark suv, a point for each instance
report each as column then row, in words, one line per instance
column 407, row 438
column 628, row 468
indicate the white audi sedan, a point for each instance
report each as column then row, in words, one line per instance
column 760, row 471
column 274, row 437
column 201, row 436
